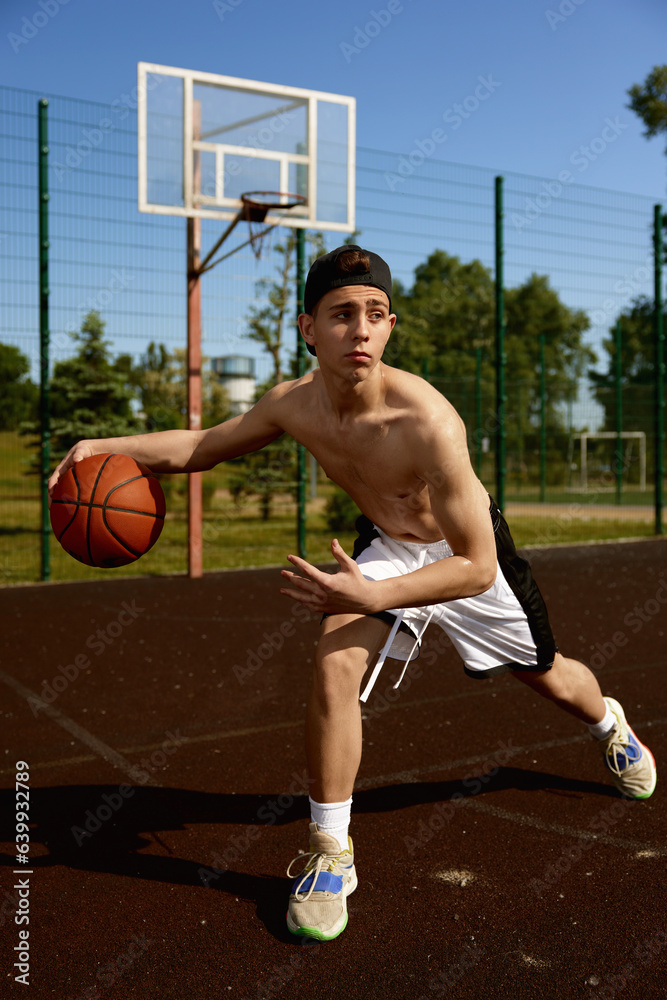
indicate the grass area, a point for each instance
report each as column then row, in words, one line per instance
column 233, row 538
column 552, row 531
column 237, row 537
column 631, row 496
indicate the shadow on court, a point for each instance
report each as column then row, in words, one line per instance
column 176, row 888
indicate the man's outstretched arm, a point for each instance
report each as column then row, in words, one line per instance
column 188, row 451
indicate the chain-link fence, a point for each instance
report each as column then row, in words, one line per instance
column 593, row 246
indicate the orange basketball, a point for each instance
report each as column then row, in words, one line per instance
column 107, row 510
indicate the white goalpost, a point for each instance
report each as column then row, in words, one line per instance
column 630, row 436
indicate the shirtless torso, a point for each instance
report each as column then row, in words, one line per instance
column 384, row 458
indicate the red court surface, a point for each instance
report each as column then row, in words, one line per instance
column 168, row 795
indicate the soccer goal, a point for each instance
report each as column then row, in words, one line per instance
column 593, row 460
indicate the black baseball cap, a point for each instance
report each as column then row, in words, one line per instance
column 324, row 276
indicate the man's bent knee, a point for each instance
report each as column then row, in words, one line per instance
column 348, row 645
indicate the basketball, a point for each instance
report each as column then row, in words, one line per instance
column 107, row 510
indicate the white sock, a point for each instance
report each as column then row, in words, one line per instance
column 601, row 729
column 332, row 818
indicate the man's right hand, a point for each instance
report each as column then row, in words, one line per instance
column 81, row 450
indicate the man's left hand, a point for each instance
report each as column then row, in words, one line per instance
column 344, row 592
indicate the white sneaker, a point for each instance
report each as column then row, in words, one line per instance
column 318, row 901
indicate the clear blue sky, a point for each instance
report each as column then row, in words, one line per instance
column 562, row 68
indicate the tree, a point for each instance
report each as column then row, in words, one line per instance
column 532, row 310
column 266, row 324
column 449, row 312
column 649, row 101
column 161, row 381
column 637, row 366
column 273, row 470
column 18, row 393
column 91, row 395
column 264, row 474
column 449, row 305
column 446, row 328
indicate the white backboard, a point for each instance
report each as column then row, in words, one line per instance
column 205, row 139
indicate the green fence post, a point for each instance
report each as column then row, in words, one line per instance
column 478, row 411
column 44, row 401
column 500, row 347
column 543, row 419
column 301, row 370
column 659, row 347
column 618, row 375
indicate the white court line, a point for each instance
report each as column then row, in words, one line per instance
column 117, row 760
column 566, row 831
column 489, row 755
column 97, row 746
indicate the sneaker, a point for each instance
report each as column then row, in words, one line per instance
column 631, row 763
column 318, row 901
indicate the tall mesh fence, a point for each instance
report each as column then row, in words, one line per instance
column 594, row 246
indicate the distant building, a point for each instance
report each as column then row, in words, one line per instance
column 237, row 375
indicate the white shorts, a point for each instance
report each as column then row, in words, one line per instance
column 505, row 628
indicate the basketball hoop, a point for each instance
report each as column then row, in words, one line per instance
column 258, row 204
column 255, row 206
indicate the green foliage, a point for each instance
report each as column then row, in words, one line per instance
column 649, row 101
column 637, row 366
column 91, row 395
column 19, row 396
column 340, row 512
column 175, row 489
column 267, row 323
column 449, row 305
column 161, row 381
column 264, row 474
column 449, row 313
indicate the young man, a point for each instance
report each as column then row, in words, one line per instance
column 433, row 547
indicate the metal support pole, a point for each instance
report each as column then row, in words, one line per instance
column 44, row 398
column 543, row 420
column 301, row 370
column 618, row 375
column 501, row 398
column 659, row 342
column 195, row 562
